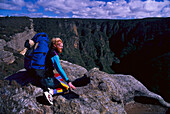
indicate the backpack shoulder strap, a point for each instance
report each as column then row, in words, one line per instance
column 36, row 45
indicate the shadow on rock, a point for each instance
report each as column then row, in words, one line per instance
column 71, row 95
column 20, row 77
column 147, row 100
column 83, row 81
column 23, row 79
column 42, row 100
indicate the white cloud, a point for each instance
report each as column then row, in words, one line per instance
column 18, row 2
column 149, row 8
column 12, row 4
column 31, row 7
column 9, row 6
column 153, row 6
column 166, row 11
column 66, row 6
column 29, row 14
column 47, row 16
column 101, row 9
column 2, row 16
column 94, row 9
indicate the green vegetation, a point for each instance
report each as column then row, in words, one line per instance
column 12, row 25
column 92, row 44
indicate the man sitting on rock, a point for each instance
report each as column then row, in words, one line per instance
column 52, row 62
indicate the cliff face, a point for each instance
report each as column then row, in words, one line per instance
column 92, row 43
column 143, row 50
column 13, row 34
column 97, row 92
column 136, row 47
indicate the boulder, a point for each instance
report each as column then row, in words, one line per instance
column 2, row 44
column 17, row 41
column 103, row 93
column 6, row 57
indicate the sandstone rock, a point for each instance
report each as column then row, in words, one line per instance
column 106, row 93
column 6, row 57
column 73, row 71
column 17, row 43
column 2, row 44
column 123, row 87
column 18, row 40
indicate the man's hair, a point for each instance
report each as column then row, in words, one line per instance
column 55, row 41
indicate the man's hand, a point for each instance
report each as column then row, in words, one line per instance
column 71, row 86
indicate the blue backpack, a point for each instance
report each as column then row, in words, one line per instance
column 35, row 55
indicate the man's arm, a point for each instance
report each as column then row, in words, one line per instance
column 58, row 67
column 60, row 70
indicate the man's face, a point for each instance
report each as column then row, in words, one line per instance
column 59, row 46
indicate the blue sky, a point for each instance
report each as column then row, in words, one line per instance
column 99, row 9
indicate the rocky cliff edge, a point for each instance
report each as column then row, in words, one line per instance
column 97, row 92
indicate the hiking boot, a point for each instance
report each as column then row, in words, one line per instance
column 49, row 97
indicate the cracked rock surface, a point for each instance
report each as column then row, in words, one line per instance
column 102, row 93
